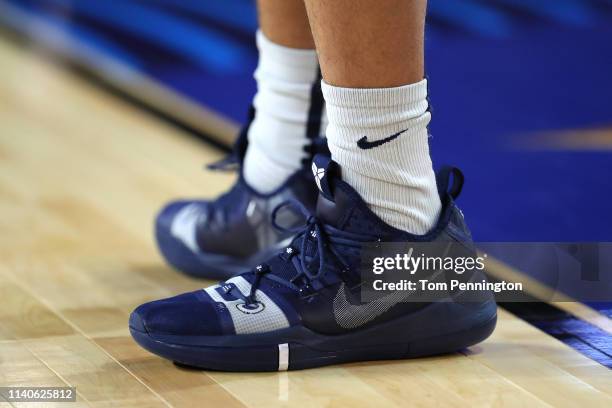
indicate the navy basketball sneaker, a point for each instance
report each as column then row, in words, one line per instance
column 220, row 238
column 302, row 308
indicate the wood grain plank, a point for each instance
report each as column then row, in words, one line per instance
column 542, row 365
column 179, row 386
column 20, row 368
column 92, row 371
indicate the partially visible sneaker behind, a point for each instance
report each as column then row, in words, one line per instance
column 219, row 238
column 302, row 307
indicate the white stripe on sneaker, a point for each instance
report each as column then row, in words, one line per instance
column 283, row 357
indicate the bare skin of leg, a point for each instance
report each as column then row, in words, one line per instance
column 367, row 43
column 285, row 22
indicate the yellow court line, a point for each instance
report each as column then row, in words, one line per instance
column 575, row 139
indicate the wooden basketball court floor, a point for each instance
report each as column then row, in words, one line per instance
column 82, row 175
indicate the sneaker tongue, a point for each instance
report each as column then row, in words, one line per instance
column 324, row 171
column 334, row 202
column 326, row 174
column 340, row 206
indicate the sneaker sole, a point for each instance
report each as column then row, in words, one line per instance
column 439, row 328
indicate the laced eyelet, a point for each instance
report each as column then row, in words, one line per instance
column 306, row 289
column 299, row 280
column 306, row 282
column 262, row 268
column 288, row 253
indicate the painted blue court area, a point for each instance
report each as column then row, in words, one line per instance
column 502, row 73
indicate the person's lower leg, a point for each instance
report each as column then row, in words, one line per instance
column 287, row 71
column 371, row 56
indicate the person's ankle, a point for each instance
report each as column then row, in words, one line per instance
column 379, row 137
column 288, row 113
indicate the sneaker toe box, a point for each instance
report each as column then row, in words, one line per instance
column 184, row 315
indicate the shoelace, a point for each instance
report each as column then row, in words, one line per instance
column 324, row 235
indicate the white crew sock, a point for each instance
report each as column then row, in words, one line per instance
column 277, row 136
column 395, row 178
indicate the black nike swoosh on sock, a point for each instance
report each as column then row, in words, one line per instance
column 364, row 144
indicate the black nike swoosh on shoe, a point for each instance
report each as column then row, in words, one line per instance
column 350, row 316
column 364, row 144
